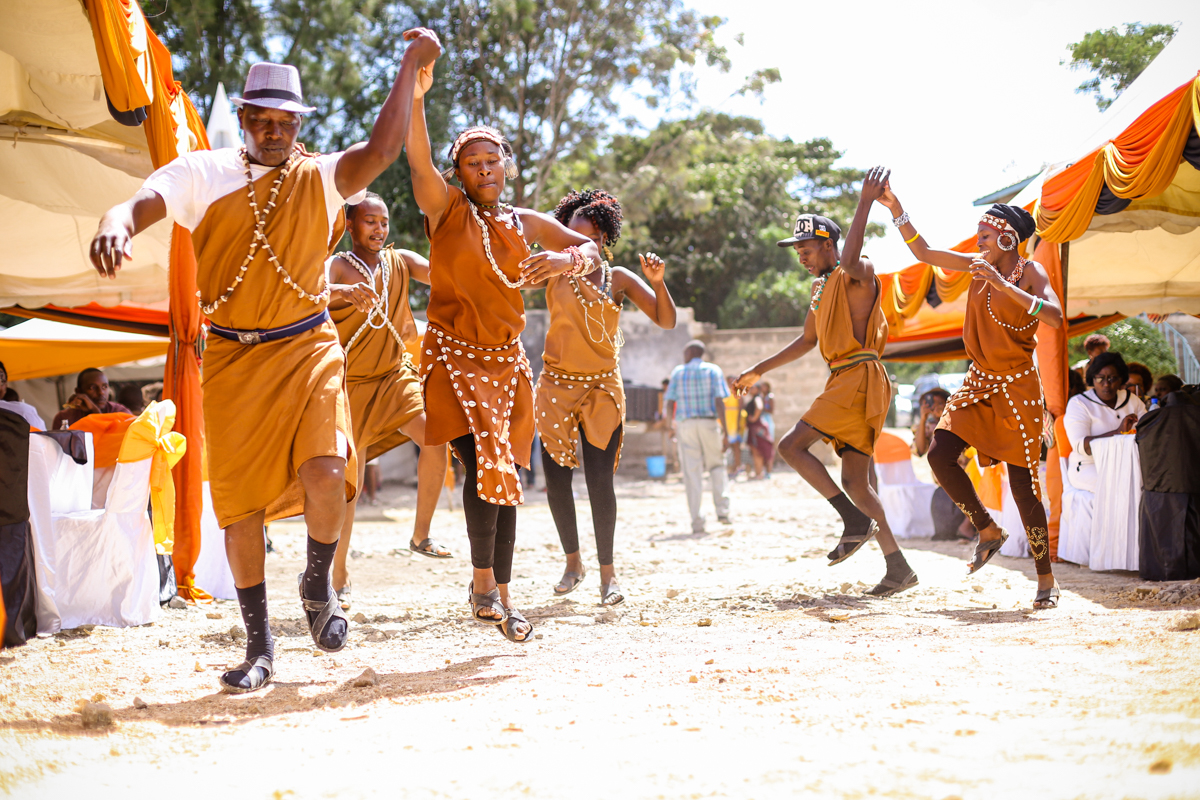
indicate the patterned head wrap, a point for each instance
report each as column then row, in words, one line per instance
column 1013, row 219
column 482, row 133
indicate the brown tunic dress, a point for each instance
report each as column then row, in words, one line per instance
column 381, row 379
column 851, row 410
column 998, row 409
column 474, row 374
column 580, row 384
column 270, row 407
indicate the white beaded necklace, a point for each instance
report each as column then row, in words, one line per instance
column 382, row 308
column 1013, row 279
column 604, row 300
column 487, row 242
column 260, row 224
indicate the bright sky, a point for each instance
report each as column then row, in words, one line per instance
column 901, row 83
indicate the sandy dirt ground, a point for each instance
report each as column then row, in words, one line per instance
column 741, row 666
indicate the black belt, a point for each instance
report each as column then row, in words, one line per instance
column 270, row 334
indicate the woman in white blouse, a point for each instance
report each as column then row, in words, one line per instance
column 1105, row 409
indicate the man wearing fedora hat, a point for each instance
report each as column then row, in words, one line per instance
column 846, row 322
column 264, row 218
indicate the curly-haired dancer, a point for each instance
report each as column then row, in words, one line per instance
column 998, row 410
column 474, row 374
column 579, row 395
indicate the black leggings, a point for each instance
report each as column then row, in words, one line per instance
column 492, row 529
column 598, row 473
column 943, row 460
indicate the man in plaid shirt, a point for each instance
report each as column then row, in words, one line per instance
column 695, row 401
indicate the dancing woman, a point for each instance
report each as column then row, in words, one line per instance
column 579, row 393
column 998, row 410
column 475, row 377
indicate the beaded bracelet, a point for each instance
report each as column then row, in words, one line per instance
column 583, row 264
column 900, row 220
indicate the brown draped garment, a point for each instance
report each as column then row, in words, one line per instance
column 580, row 382
column 998, row 410
column 851, row 410
column 474, row 373
column 269, row 407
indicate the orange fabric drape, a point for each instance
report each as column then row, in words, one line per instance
column 172, row 127
column 108, row 431
column 1053, row 367
column 1140, row 162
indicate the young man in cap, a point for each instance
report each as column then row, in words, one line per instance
column 846, row 322
column 266, row 216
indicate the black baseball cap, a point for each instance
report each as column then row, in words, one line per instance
column 813, row 226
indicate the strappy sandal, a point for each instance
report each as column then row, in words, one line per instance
column 490, row 600
column 343, row 596
column 507, row 627
column 259, row 671
column 611, row 595
column 326, row 611
column 890, row 586
column 1047, row 598
column 851, row 543
column 429, row 548
column 984, row 551
column 573, row 579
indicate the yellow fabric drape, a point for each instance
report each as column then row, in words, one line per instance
column 150, row 436
column 1140, row 162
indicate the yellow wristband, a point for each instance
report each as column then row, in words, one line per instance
column 915, row 237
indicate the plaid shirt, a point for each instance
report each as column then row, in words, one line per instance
column 695, row 387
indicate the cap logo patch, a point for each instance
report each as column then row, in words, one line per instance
column 803, row 225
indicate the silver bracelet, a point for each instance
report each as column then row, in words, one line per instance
column 901, row 220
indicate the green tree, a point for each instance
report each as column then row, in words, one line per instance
column 1136, row 340
column 1116, row 56
column 771, row 299
column 712, row 195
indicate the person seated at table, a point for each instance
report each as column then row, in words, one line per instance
column 11, row 401
column 1093, row 345
column 130, row 395
column 1140, row 380
column 91, row 397
column 1165, row 385
column 1105, row 409
column 931, row 406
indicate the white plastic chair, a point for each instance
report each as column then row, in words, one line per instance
column 212, row 565
column 905, row 499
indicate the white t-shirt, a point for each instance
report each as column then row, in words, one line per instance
column 25, row 410
column 194, row 181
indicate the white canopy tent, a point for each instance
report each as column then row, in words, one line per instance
column 1145, row 258
column 64, row 162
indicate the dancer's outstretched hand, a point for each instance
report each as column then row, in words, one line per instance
column 745, row 382
column 888, row 198
column 875, row 183
column 545, row 264
column 423, row 45
column 359, row 295
column 654, row 268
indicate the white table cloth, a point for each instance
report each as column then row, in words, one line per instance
column 905, row 500
column 212, row 565
column 1115, row 526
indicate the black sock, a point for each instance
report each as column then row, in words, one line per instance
column 316, row 574
column 259, row 641
column 897, row 565
column 317, row 587
column 854, row 519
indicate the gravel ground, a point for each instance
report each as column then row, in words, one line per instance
column 741, row 666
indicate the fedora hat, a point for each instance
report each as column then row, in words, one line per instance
column 273, row 86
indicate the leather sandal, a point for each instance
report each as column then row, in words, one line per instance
column 984, row 551
column 490, row 600
column 851, row 543
column 572, row 579
column 430, row 549
column 326, row 611
column 259, row 671
column 508, row 627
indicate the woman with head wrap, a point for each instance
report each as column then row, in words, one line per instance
column 475, row 377
column 999, row 409
column 579, row 393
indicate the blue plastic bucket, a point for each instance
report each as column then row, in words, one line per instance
column 656, row 466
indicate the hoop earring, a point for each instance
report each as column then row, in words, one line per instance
column 1012, row 241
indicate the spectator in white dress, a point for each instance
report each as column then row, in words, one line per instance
column 1105, row 409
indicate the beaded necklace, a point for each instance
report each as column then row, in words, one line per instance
column 382, row 308
column 604, row 301
column 818, row 289
column 487, row 240
column 1013, row 279
column 260, row 224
